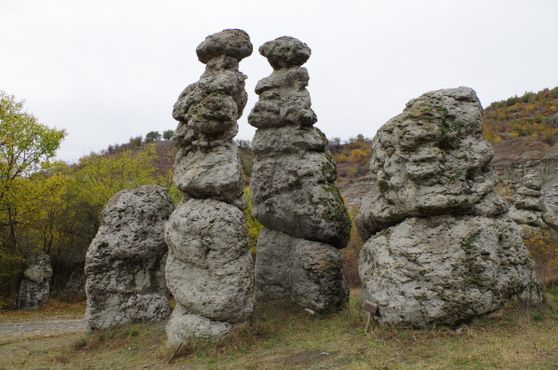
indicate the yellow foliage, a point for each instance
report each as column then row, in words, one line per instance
column 359, row 155
column 253, row 225
column 341, row 157
column 543, row 246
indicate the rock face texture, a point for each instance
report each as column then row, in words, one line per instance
column 528, row 209
column 75, row 287
column 209, row 269
column 440, row 247
column 293, row 190
column 35, row 285
column 124, row 265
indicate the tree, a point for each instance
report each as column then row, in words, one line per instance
column 25, row 146
column 136, row 141
column 152, row 136
column 168, row 134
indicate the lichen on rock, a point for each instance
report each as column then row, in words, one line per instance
column 210, row 270
column 34, row 289
column 124, row 265
column 440, row 247
column 293, row 189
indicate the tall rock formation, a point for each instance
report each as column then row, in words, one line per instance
column 440, row 247
column 35, row 285
column 124, row 265
column 293, row 190
column 209, row 269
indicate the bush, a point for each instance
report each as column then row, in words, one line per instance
column 351, row 252
column 11, row 268
column 543, row 246
column 359, row 155
column 253, row 225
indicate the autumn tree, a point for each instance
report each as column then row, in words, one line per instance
column 25, row 146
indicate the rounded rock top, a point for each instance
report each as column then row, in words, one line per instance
column 233, row 43
column 285, row 51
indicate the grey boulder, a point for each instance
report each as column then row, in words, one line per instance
column 183, row 325
column 124, row 265
column 209, row 250
column 440, row 247
column 35, row 285
column 307, row 272
column 446, row 269
column 214, row 173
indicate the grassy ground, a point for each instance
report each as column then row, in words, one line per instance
column 52, row 309
column 287, row 338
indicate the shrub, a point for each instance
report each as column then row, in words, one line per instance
column 253, row 225
column 543, row 246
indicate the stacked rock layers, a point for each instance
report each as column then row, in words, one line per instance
column 528, row 209
column 440, row 246
column 293, row 191
column 124, row 265
column 209, row 269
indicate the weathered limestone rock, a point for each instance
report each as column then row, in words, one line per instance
column 75, row 287
column 306, row 271
column 209, row 269
column 293, row 189
column 440, row 247
column 124, row 265
column 35, row 285
column 528, row 209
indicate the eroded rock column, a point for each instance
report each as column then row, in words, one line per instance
column 293, row 190
column 440, row 247
column 528, row 209
column 125, row 263
column 35, row 285
column 209, row 269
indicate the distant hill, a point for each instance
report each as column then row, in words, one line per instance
column 521, row 129
column 524, row 133
column 532, row 115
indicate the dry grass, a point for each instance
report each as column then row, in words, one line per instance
column 52, row 309
column 285, row 337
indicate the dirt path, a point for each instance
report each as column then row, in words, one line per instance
column 11, row 331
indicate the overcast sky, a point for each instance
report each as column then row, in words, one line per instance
column 109, row 70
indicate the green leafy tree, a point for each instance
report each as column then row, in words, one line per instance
column 168, row 134
column 152, row 136
column 25, row 146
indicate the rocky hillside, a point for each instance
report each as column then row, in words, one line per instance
column 524, row 133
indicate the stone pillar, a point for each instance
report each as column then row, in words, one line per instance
column 293, row 189
column 124, row 265
column 35, row 285
column 528, row 209
column 440, row 247
column 209, row 269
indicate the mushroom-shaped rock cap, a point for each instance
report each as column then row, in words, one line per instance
column 232, row 43
column 285, row 51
